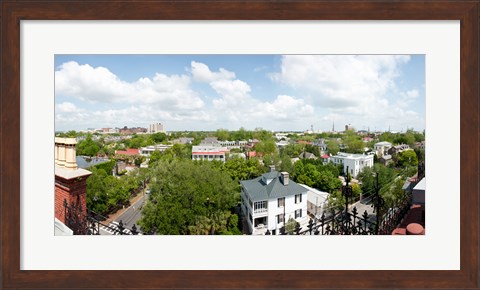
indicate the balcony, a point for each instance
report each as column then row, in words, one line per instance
column 261, row 229
column 260, row 210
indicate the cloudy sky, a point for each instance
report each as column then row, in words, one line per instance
column 208, row 92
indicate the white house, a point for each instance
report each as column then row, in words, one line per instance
column 209, row 153
column 270, row 200
column 146, row 151
column 381, row 148
column 354, row 162
column 232, row 144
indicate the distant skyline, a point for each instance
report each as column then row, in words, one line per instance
column 209, row 92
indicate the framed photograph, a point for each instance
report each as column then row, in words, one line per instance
column 427, row 51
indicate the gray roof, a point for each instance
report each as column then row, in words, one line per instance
column 258, row 190
column 386, row 157
column 307, row 155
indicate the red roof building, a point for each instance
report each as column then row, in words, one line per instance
column 128, row 152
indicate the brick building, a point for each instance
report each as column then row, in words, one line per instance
column 70, row 181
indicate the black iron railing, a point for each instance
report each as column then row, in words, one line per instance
column 87, row 222
column 353, row 223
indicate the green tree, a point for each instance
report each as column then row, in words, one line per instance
column 97, row 199
column 354, row 145
column 407, row 158
column 107, row 166
column 356, row 190
column 222, row 134
column 393, row 194
column 266, row 147
column 312, row 149
column 388, row 137
column 327, row 182
column 159, row 137
column 154, row 157
column 336, row 200
column 262, row 135
column 242, row 134
column 136, row 142
column 186, row 196
column 87, row 147
column 333, row 147
column 368, row 178
column 286, row 163
column 407, row 138
column 290, row 226
column 298, row 169
column 293, row 150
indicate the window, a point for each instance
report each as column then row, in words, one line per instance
column 298, row 213
column 298, row 198
column 281, row 202
column 260, row 206
column 280, row 218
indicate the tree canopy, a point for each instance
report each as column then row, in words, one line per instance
column 88, row 147
column 189, row 198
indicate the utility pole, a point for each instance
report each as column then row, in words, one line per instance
column 378, row 203
column 347, row 192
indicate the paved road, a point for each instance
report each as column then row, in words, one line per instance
column 132, row 214
column 112, row 229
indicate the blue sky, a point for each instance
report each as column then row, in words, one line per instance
column 209, row 92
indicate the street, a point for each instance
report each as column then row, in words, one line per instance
column 132, row 214
column 129, row 217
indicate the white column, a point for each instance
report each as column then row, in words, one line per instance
column 56, row 149
column 70, row 153
column 61, row 152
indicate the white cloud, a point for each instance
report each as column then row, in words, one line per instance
column 66, row 107
column 99, row 85
column 237, row 102
column 202, row 73
column 356, row 89
column 318, row 90
column 284, row 108
column 340, row 80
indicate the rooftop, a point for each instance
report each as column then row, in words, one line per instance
column 129, row 151
column 68, row 173
column 420, row 185
column 383, row 143
column 259, row 190
column 350, row 155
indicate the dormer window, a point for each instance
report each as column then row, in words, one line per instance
column 266, row 180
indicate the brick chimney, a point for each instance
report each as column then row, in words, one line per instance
column 70, row 181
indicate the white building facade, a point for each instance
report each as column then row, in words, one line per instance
column 147, row 151
column 209, row 153
column 156, row 128
column 355, row 162
column 381, row 148
column 271, row 200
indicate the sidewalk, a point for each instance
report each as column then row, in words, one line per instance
column 114, row 216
